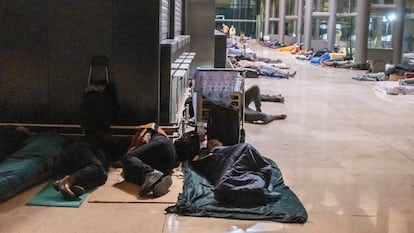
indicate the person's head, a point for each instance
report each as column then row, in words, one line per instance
column 21, row 133
column 187, row 146
column 23, row 130
column 213, row 143
column 113, row 147
column 12, row 139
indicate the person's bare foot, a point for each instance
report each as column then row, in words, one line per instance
column 279, row 117
column 292, row 74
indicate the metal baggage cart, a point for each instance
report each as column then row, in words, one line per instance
column 221, row 86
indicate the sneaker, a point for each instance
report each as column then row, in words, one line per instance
column 150, row 180
column 161, row 188
column 77, row 190
column 292, row 74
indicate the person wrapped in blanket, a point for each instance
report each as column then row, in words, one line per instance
column 83, row 164
column 150, row 160
column 12, row 139
column 240, row 176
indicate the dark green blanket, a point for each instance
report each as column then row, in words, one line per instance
column 197, row 199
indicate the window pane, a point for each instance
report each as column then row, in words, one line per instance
column 379, row 31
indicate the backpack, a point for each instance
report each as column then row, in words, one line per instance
column 223, row 124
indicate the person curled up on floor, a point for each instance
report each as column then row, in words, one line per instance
column 150, row 160
column 84, row 164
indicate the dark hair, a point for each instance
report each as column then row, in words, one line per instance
column 187, row 146
column 12, row 139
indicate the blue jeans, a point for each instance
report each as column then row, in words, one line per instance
column 158, row 154
column 87, row 165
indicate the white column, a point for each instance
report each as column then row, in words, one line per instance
column 361, row 32
column 307, row 25
column 398, row 31
column 272, row 15
column 282, row 14
column 332, row 24
column 299, row 21
column 266, row 18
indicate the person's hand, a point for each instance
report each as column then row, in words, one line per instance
column 146, row 137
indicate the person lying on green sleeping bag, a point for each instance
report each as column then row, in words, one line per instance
column 12, row 139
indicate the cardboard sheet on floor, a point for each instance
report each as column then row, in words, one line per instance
column 49, row 197
column 117, row 190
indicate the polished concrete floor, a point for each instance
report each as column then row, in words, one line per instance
column 347, row 152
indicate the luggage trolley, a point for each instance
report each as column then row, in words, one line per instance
column 221, row 86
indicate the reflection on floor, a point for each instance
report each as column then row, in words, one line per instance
column 345, row 152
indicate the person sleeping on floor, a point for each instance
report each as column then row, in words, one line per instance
column 84, row 164
column 148, row 162
column 276, row 70
column 239, row 174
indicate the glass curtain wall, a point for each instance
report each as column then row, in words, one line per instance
column 408, row 41
column 345, row 25
column 380, row 30
column 290, row 25
column 248, row 16
column 241, row 14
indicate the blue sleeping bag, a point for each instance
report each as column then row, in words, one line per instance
column 317, row 60
column 30, row 165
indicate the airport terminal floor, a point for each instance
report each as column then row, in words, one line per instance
column 345, row 150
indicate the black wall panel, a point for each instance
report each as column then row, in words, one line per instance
column 23, row 61
column 77, row 31
column 45, row 52
column 136, row 57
